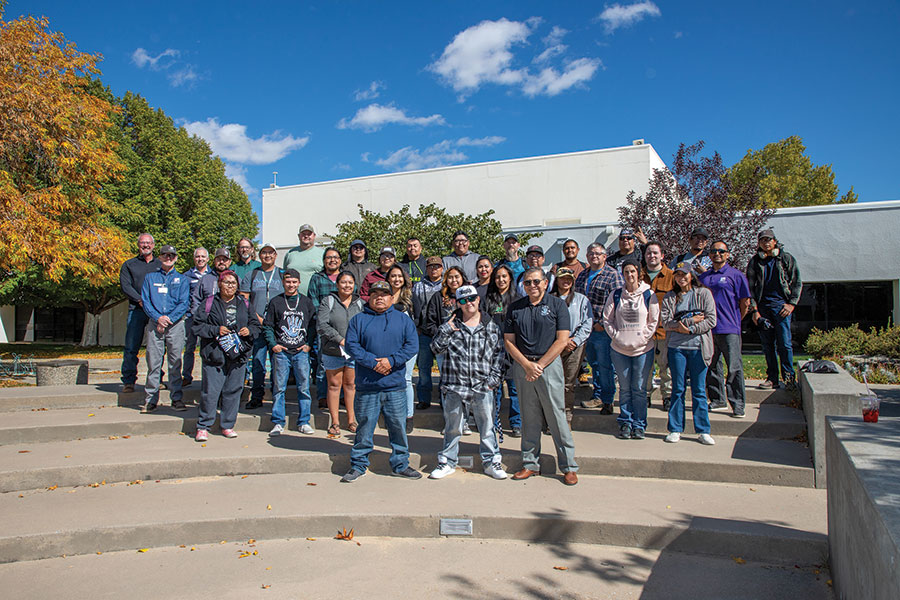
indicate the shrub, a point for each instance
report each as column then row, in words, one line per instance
column 847, row 341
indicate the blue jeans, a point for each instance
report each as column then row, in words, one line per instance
column 455, row 406
column 515, row 415
column 190, row 348
column 368, row 406
column 321, row 384
column 258, row 358
column 633, row 372
column 598, row 351
column 425, row 361
column 284, row 363
column 134, row 335
column 778, row 339
column 680, row 362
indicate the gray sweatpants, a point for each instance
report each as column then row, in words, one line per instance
column 545, row 398
column 171, row 343
column 226, row 381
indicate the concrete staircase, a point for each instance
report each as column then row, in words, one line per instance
column 82, row 472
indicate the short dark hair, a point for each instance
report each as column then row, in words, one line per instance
column 290, row 273
column 457, row 234
column 571, row 240
column 330, row 249
column 534, row 270
column 720, row 242
column 411, row 238
column 657, row 244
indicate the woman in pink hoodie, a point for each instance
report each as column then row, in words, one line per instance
column 630, row 317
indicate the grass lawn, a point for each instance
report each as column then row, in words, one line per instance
column 755, row 365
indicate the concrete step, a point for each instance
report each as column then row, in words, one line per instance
column 430, row 568
column 152, row 457
column 762, row 421
column 769, row 523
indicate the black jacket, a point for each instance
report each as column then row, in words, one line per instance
column 131, row 276
column 206, row 327
column 436, row 314
column 788, row 276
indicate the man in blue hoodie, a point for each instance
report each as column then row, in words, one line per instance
column 381, row 340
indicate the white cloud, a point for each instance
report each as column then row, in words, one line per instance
column 142, row 58
column 617, row 16
column 239, row 174
column 491, row 140
column 554, row 45
column 483, row 54
column 679, row 34
column 185, row 74
column 441, row 154
column 375, row 116
column 230, row 141
column 370, row 93
column 550, row 82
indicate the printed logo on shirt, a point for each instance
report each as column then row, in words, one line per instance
column 545, row 311
column 292, row 332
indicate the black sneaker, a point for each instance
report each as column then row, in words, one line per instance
column 253, row 405
column 625, row 432
column 408, row 472
column 719, row 406
column 178, row 405
column 352, row 475
column 667, row 402
column 515, row 432
column 186, row 381
column 637, row 433
column 409, row 426
column 423, row 405
column 607, row 409
column 148, row 408
column 127, row 388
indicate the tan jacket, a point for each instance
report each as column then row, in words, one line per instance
column 662, row 284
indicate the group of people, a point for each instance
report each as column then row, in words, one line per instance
column 360, row 327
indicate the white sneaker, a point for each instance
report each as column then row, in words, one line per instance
column 673, row 437
column 306, row 429
column 442, row 470
column 495, row 470
column 706, row 439
column 277, row 430
column 466, row 430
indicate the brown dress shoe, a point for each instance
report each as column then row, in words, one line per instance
column 525, row 474
column 570, row 478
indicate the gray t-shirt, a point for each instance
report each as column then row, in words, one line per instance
column 685, row 308
column 262, row 287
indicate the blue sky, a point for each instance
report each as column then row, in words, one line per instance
column 330, row 90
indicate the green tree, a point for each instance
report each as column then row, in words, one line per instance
column 432, row 224
column 787, row 177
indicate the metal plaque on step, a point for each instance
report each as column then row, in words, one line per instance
column 456, row 526
column 466, row 462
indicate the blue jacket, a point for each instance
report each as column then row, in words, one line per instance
column 174, row 302
column 370, row 336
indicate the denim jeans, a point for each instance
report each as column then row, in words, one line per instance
column 778, row 339
column 190, row 348
column 225, row 381
column 258, row 363
column 425, row 361
column 410, row 390
column 597, row 350
column 680, row 363
column 284, row 363
column 134, row 335
column 632, row 372
column 368, row 405
column 455, row 406
column 321, row 384
column 515, row 415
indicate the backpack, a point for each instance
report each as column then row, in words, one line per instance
column 617, row 298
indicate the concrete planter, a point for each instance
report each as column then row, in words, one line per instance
column 62, row 372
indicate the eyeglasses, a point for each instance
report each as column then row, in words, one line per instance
column 460, row 241
column 530, row 282
column 229, row 282
column 332, row 257
column 167, row 255
column 718, row 251
column 467, row 300
column 596, row 253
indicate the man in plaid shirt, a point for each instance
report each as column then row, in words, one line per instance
column 596, row 282
column 473, row 366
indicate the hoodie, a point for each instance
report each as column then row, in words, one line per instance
column 372, row 335
column 632, row 324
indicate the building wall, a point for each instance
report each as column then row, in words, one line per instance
column 581, row 187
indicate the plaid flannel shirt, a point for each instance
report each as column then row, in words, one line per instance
column 606, row 281
column 473, row 359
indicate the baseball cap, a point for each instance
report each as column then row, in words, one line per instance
column 565, row 272
column 380, row 286
column 223, row 252
column 168, row 250
column 357, row 243
column 700, row 231
column 766, row 233
column 267, row 245
column 535, row 248
column 306, row 227
column 387, row 250
column 465, row 291
column 626, row 232
column 685, row 267
column 290, row 273
column 434, row 260
column 511, row 236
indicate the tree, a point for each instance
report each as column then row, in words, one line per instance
column 698, row 192
column 56, row 156
column 433, row 225
column 788, row 177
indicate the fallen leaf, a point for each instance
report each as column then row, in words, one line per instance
column 94, row 485
column 136, row 482
column 68, row 456
column 143, row 549
column 125, row 437
column 268, row 507
column 358, row 544
column 91, row 415
column 244, row 476
column 246, row 446
column 99, row 552
column 308, row 539
column 561, row 568
column 265, row 586
column 752, row 489
column 181, row 433
column 52, row 487
column 21, row 496
column 203, row 445
column 223, row 542
column 668, row 506
column 251, row 541
column 24, row 451
column 312, row 483
column 828, row 583
column 72, row 491
column 255, row 552
column 113, row 437
column 244, row 555
column 344, row 535
column 738, row 560
column 268, row 568
column 182, row 546
column 193, row 548
column 816, row 571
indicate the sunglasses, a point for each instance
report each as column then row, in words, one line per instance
column 467, row 300
column 530, row 282
column 627, row 238
column 718, row 251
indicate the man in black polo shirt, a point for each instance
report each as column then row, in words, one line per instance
column 536, row 331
